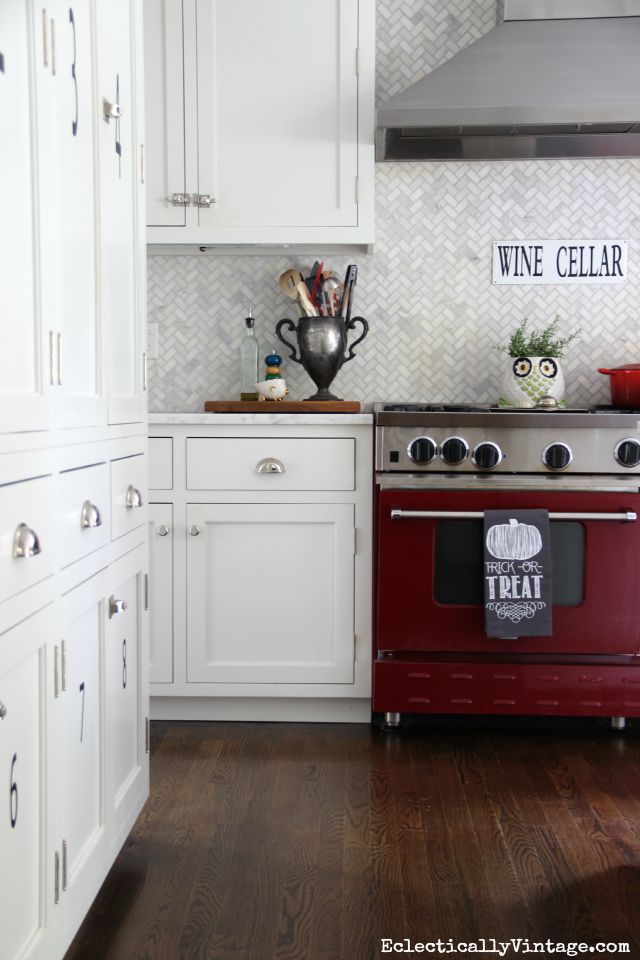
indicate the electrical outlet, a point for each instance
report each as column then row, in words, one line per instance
column 152, row 341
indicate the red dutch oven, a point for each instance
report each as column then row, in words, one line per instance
column 625, row 385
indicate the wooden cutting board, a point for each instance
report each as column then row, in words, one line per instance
column 282, row 406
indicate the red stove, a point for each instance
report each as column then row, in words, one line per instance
column 438, row 468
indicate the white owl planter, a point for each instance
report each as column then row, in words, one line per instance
column 527, row 379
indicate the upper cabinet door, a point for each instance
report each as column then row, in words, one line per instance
column 119, row 164
column 275, row 141
column 24, row 372
column 67, row 183
column 277, row 112
column 164, row 105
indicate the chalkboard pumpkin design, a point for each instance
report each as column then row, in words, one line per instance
column 513, row 540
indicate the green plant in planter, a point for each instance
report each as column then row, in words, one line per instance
column 537, row 343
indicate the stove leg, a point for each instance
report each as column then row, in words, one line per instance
column 392, row 720
column 618, row 723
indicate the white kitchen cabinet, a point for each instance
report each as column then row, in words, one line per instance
column 270, row 593
column 68, row 210
column 126, row 692
column 261, row 125
column 120, row 162
column 161, row 592
column 271, row 578
column 29, row 882
column 24, row 380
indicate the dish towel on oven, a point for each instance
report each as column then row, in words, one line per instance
column 517, row 573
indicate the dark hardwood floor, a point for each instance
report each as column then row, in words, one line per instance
column 313, row 842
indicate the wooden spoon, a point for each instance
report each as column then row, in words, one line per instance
column 288, row 283
column 305, row 300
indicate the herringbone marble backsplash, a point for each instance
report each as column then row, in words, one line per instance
column 426, row 291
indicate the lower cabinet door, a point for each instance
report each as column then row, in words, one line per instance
column 126, row 695
column 270, row 593
column 161, row 592
column 81, row 836
column 29, row 873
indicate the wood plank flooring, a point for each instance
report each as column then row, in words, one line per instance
column 315, row 841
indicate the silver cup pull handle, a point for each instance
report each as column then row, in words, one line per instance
column 270, row 465
column 133, row 497
column 90, row 515
column 116, row 606
column 163, row 530
column 25, row 543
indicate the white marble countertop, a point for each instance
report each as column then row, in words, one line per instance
column 258, row 419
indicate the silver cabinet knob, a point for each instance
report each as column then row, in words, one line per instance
column 116, row 606
column 194, row 530
column 90, row 515
column 110, row 111
column 25, row 542
column 133, row 497
column 163, row 530
column 3, row 710
column 270, row 465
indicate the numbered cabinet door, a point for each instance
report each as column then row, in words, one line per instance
column 121, row 269
column 126, row 691
column 161, row 593
column 28, row 886
column 67, row 183
column 24, row 375
column 270, row 593
column 81, row 828
column 164, row 88
column 292, row 160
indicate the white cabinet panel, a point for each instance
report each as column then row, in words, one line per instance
column 67, row 184
column 125, row 684
column 128, row 494
column 161, row 592
column 85, row 506
column 277, row 112
column 25, row 513
column 118, row 161
column 161, row 463
column 26, row 882
column 24, row 403
column 270, row 593
column 286, row 463
column 164, row 88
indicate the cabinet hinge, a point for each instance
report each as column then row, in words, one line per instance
column 60, row 361
column 355, row 541
column 142, row 163
column 45, row 40
column 63, row 665
column 357, row 189
column 56, row 877
column 357, row 61
column 64, row 864
column 146, row 591
column 52, row 378
column 56, row 671
column 146, row 734
column 144, row 371
column 53, row 47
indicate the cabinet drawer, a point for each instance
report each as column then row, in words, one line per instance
column 217, row 463
column 128, row 494
column 85, row 511
column 161, row 463
column 30, row 503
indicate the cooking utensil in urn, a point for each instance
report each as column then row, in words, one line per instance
column 625, row 385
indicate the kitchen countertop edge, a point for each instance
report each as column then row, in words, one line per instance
column 257, row 419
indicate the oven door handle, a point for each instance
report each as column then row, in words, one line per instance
column 626, row 516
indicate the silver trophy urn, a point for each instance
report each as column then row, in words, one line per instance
column 322, row 342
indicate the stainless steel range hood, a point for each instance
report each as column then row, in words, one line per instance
column 558, row 78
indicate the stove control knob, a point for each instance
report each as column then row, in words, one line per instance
column 557, row 456
column 627, row 452
column 422, row 450
column 455, row 450
column 487, row 455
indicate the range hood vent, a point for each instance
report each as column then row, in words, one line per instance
column 559, row 78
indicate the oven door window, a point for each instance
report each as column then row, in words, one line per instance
column 458, row 571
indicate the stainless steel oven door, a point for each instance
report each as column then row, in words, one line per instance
column 429, row 578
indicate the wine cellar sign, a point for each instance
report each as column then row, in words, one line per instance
column 517, row 573
column 559, row 261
